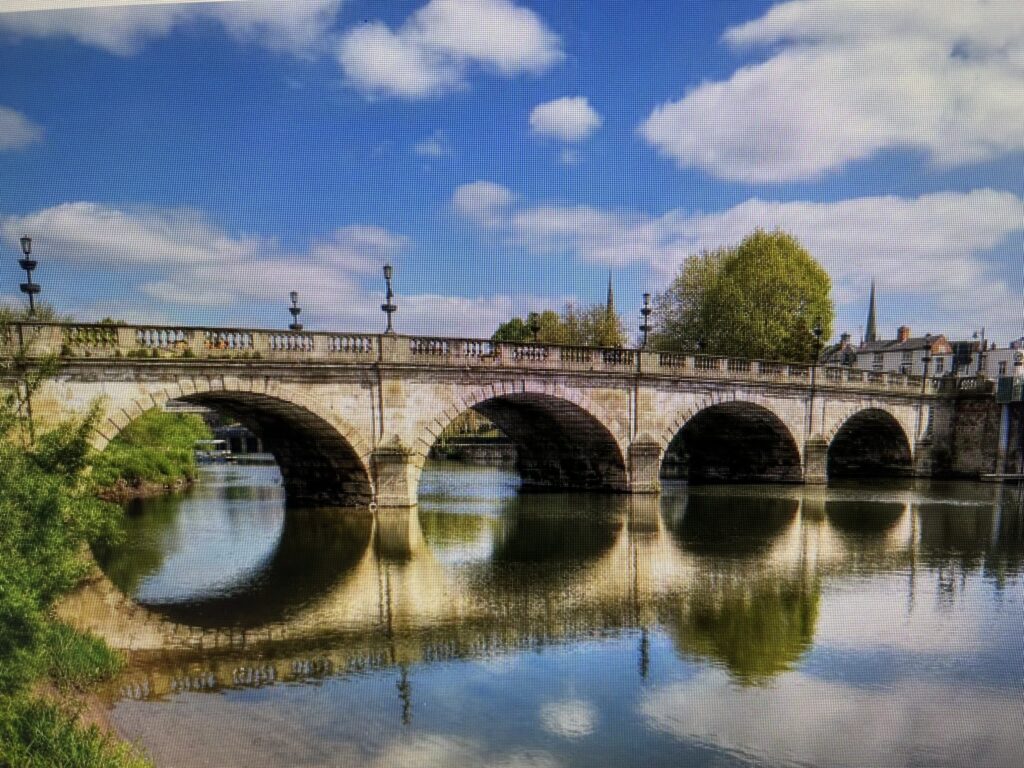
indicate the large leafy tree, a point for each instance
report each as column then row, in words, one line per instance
column 760, row 299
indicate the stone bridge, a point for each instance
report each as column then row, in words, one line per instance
column 351, row 417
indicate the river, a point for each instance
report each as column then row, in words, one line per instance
column 875, row 623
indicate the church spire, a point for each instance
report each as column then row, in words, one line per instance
column 610, row 304
column 871, row 331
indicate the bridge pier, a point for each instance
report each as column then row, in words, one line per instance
column 924, row 464
column 396, row 476
column 644, row 464
column 816, row 461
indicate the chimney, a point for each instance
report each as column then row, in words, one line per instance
column 903, row 333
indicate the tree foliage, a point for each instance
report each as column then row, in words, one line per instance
column 761, row 299
column 592, row 326
column 45, row 313
column 157, row 447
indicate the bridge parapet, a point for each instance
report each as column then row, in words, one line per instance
column 142, row 342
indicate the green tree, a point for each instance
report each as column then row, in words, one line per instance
column 600, row 328
column 593, row 326
column 760, row 299
column 45, row 313
column 157, row 447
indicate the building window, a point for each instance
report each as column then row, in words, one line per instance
column 1002, row 367
column 940, row 364
column 907, row 356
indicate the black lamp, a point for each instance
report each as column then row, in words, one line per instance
column 295, row 311
column 28, row 264
column 388, row 307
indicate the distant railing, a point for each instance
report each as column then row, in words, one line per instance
column 108, row 341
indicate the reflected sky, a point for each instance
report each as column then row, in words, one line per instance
column 856, row 625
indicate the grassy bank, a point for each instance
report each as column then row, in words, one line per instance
column 49, row 511
column 154, row 452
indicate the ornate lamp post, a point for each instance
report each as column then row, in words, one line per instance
column 981, row 351
column 645, row 319
column 388, row 307
column 28, row 264
column 817, row 331
column 926, row 360
column 295, row 311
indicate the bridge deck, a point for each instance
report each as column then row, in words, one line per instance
column 137, row 342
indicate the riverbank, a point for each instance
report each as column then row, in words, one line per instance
column 124, row 491
column 51, row 509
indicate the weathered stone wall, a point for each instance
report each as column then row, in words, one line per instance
column 490, row 453
column 967, row 436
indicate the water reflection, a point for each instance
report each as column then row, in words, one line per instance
column 504, row 625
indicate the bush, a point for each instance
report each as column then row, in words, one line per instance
column 48, row 514
column 155, row 448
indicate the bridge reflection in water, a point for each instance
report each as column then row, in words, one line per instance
column 733, row 576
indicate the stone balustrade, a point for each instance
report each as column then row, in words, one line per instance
column 150, row 342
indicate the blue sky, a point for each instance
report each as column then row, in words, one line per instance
column 193, row 163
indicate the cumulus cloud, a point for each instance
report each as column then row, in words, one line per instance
column 570, row 118
column 809, row 721
column 147, row 264
column 298, row 26
column 848, row 79
column 482, row 202
column 16, row 130
column 430, row 53
column 941, row 242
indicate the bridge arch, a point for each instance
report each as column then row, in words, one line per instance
column 869, row 442
column 563, row 440
column 323, row 459
column 731, row 440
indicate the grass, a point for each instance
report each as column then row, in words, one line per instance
column 36, row 733
column 157, row 447
column 76, row 660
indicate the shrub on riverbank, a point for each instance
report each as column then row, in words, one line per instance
column 48, row 513
column 156, row 448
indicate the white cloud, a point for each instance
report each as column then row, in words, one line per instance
column 432, row 749
column 570, row 118
column 153, row 265
column 805, row 720
column 848, row 79
column 930, row 249
column 430, row 52
column 482, row 202
column 88, row 233
column 16, row 130
column 435, row 145
column 570, row 719
column 298, row 26
column 376, row 59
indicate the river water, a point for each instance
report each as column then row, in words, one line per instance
column 876, row 623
